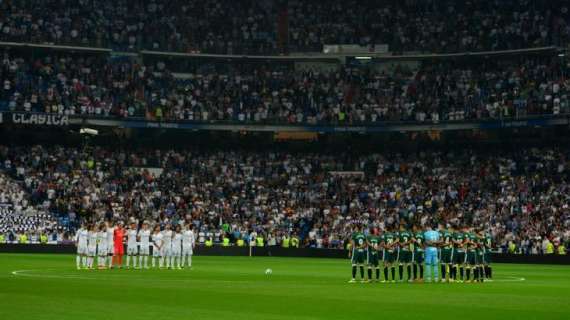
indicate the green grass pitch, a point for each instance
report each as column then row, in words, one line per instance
column 48, row 287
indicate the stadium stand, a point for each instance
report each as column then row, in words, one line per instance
column 219, row 26
column 268, row 63
column 273, row 27
column 522, row 197
column 429, row 26
column 18, row 216
column 434, row 91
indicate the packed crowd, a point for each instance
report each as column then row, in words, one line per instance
column 19, row 217
column 274, row 27
column 521, row 198
column 221, row 26
column 429, row 26
column 435, row 91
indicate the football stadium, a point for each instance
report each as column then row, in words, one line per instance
column 284, row 159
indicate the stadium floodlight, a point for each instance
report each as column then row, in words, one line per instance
column 363, row 58
column 88, row 131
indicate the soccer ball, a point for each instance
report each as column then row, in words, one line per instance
column 268, row 271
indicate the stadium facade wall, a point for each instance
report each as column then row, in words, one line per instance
column 281, row 252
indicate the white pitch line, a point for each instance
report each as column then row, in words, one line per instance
column 509, row 279
column 26, row 273
column 30, row 274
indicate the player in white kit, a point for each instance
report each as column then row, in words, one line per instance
column 144, row 241
column 166, row 245
column 102, row 250
column 110, row 242
column 81, row 242
column 157, row 247
column 177, row 248
column 132, row 245
column 91, row 246
column 188, row 242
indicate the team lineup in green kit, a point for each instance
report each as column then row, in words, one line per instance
column 463, row 255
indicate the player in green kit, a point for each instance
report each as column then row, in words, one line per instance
column 447, row 255
column 358, row 253
column 404, row 253
column 471, row 259
column 418, row 256
column 480, row 240
column 459, row 254
column 373, row 259
column 389, row 244
column 381, row 255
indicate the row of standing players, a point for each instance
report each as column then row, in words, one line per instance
column 464, row 254
column 172, row 247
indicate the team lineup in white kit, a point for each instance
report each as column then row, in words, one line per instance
column 104, row 244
